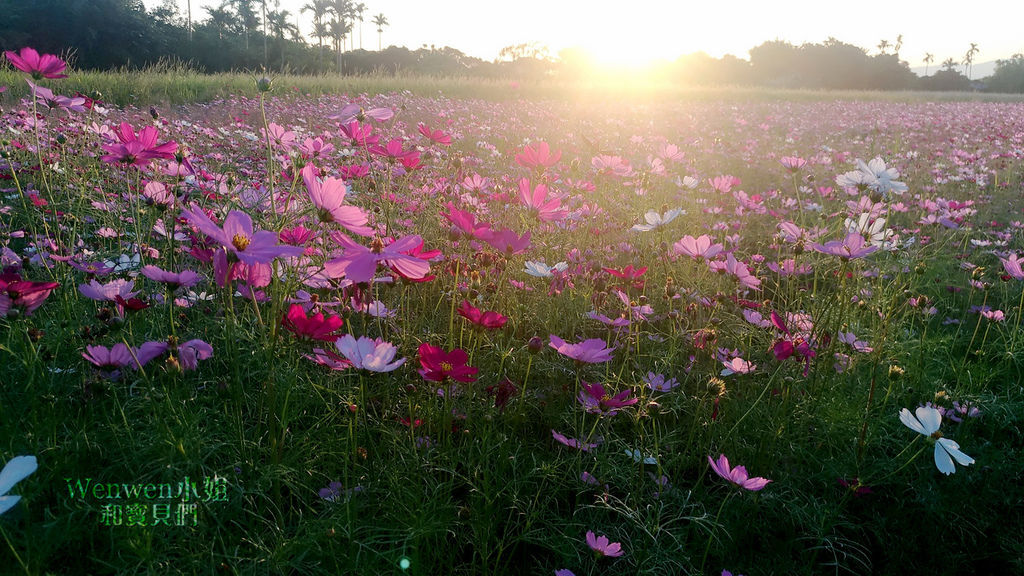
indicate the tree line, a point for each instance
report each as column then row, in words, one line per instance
column 260, row 35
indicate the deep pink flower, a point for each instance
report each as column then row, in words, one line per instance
column 546, row 209
column 330, row 359
column 591, row 351
column 360, row 134
column 329, row 199
column 737, row 475
column 490, row 319
column 465, row 222
column 602, row 547
column 17, row 292
column 595, row 399
column 359, row 263
column 737, row 269
column 438, row 365
column 45, row 66
column 239, row 237
column 316, row 327
column 629, row 273
column 137, row 149
column 435, row 135
column 538, row 157
column 508, row 241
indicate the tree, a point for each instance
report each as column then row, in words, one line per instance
column 1008, row 75
column 380, row 22
column 280, row 25
column 949, row 64
column 358, row 11
column 928, row 59
column 882, row 46
column 899, row 44
column 221, row 20
column 247, row 17
column 320, row 9
column 969, row 59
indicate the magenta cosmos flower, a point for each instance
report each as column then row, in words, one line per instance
column 137, row 149
column 17, row 292
column 849, row 248
column 591, row 351
column 737, row 475
column 490, row 319
column 546, row 208
column 45, row 66
column 239, row 237
column 438, row 365
column 602, row 546
column 315, row 327
column 572, row 442
column 371, row 354
column 359, row 263
column 329, row 197
column 596, row 400
column 538, row 157
column 697, row 248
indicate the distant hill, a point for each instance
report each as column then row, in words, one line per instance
column 978, row 71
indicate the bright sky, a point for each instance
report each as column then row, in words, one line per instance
column 643, row 30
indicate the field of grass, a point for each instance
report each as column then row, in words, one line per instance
column 429, row 326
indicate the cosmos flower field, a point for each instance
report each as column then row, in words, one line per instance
column 389, row 334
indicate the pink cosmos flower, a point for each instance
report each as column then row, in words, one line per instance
column 356, row 112
column 45, row 66
column 1012, row 265
column 698, row 248
column 737, row 365
column 724, row 184
column 573, row 443
column 109, row 292
column 239, row 237
column 591, row 351
column 359, row 263
column 371, row 354
column 596, row 400
column 119, row 356
column 614, row 165
column 547, row 209
column 792, row 163
column 361, row 135
column 330, row 359
column 185, row 278
column 539, row 156
column 737, row 475
column 438, row 136
column 851, row 247
column 602, row 547
column 329, row 198
column 739, row 270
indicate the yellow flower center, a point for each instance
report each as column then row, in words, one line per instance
column 240, row 241
column 446, row 367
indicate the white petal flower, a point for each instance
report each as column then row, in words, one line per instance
column 15, row 471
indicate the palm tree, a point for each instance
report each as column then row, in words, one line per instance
column 320, row 10
column 221, row 19
column 358, row 11
column 342, row 10
column 380, row 22
column 899, row 44
column 247, row 16
column 189, row 5
column 928, row 59
column 949, row 64
column 339, row 31
column 882, row 46
column 969, row 59
column 280, row 24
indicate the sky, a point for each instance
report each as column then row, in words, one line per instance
column 638, row 31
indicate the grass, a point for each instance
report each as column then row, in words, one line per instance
column 479, row 485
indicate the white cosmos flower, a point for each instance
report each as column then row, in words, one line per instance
column 654, row 219
column 15, row 471
column 542, row 270
column 927, row 422
column 874, row 232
